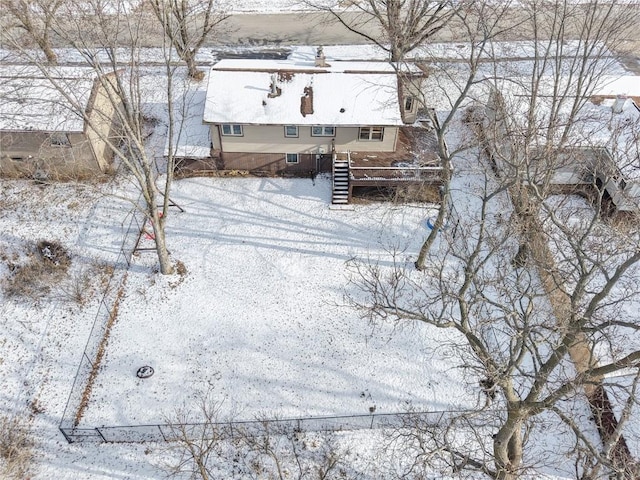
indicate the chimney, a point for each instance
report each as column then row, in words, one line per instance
column 618, row 104
column 306, row 102
column 320, row 59
column 275, row 91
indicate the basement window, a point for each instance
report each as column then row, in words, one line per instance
column 371, row 133
column 320, row 131
column 291, row 131
column 292, row 158
column 232, row 129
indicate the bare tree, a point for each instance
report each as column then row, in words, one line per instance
column 197, row 437
column 187, row 24
column 528, row 326
column 112, row 53
column 396, row 26
column 203, row 445
column 574, row 68
column 455, row 84
column 35, row 19
column 518, row 349
column 277, row 450
column 538, row 332
column 539, row 115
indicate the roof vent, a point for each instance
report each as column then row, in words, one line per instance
column 320, row 59
column 618, row 104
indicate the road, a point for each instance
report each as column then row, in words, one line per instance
column 318, row 28
column 285, row 28
column 314, row 28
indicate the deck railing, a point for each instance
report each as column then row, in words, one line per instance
column 408, row 173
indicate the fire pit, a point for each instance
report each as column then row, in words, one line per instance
column 144, row 372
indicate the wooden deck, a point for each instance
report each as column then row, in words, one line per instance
column 416, row 146
column 414, row 161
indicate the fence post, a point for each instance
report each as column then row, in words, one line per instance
column 67, row 437
column 101, row 436
column 162, row 433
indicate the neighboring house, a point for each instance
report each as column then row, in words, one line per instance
column 602, row 149
column 42, row 130
column 300, row 118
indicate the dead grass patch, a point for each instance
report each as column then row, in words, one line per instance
column 420, row 193
column 46, row 263
column 181, row 271
column 16, row 447
column 84, row 283
column 102, row 347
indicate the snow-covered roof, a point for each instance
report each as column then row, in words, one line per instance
column 615, row 124
column 619, row 85
column 33, row 101
column 192, row 138
column 608, row 119
column 344, row 93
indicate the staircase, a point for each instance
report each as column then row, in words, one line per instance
column 340, row 195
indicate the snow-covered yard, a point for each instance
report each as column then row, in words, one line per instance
column 260, row 315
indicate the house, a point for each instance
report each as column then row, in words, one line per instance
column 54, row 124
column 601, row 147
column 299, row 117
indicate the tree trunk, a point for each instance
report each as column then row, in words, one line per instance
column 45, row 46
column 158, row 221
column 190, row 59
column 507, row 448
column 52, row 58
column 397, row 55
column 426, row 246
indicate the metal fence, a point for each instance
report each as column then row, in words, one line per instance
column 169, row 432
column 132, row 226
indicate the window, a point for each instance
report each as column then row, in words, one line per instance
column 323, row 131
column 231, row 129
column 371, row 133
column 290, row 131
column 59, row 139
column 292, row 158
column 408, row 104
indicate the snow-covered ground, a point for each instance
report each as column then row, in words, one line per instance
column 260, row 314
column 606, row 244
column 41, row 344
